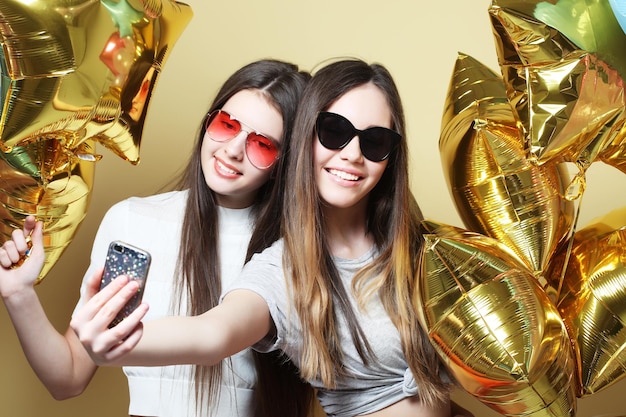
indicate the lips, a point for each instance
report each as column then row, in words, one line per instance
column 224, row 169
column 343, row 174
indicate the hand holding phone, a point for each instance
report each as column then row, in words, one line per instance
column 124, row 259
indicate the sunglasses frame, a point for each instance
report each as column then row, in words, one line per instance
column 362, row 134
column 242, row 128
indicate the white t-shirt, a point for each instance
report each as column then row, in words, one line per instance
column 154, row 224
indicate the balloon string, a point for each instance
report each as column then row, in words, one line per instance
column 568, row 253
column 580, row 182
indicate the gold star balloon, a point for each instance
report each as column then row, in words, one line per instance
column 564, row 66
column 73, row 73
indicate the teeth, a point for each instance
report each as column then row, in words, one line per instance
column 343, row 175
column 224, row 168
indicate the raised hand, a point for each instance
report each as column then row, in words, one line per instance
column 21, row 258
column 58, row 360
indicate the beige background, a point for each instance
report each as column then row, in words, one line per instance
column 418, row 41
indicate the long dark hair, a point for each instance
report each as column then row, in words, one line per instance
column 131, row 88
column 393, row 219
column 198, row 260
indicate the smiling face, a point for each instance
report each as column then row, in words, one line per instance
column 344, row 177
column 140, row 99
column 227, row 170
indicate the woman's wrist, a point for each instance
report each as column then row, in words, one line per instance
column 18, row 294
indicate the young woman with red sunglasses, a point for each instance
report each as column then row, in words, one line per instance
column 199, row 236
column 333, row 294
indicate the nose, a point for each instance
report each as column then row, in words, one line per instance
column 235, row 148
column 352, row 151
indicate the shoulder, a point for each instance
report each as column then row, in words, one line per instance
column 172, row 200
column 264, row 267
column 141, row 213
column 264, row 274
column 272, row 254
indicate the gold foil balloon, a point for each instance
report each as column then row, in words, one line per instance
column 73, row 73
column 593, row 301
column 498, row 320
column 493, row 325
column 41, row 178
column 497, row 190
column 614, row 153
column 564, row 65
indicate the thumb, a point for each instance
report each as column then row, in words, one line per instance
column 36, row 236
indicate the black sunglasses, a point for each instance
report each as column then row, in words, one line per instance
column 335, row 132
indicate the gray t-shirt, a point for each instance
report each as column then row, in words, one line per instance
column 367, row 388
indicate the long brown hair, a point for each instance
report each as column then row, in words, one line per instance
column 198, row 267
column 393, row 219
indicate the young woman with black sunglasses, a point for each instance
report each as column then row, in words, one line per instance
column 199, row 237
column 334, row 293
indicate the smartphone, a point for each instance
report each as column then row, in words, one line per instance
column 124, row 259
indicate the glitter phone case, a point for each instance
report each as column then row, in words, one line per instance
column 124, row 259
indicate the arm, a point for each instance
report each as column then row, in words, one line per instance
column 62, row 365
column 238, row 322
